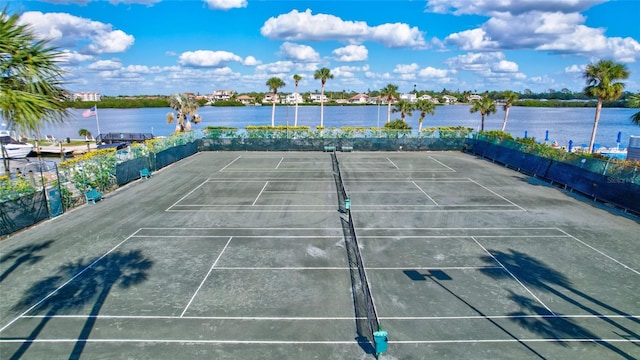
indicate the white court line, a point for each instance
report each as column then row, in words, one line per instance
column 232, row 161
column 184, row 197
column 286, row 181
column 183, row 341
column 392, row 163
column 206, row 277
column 496, row 194
column 249, row 236
column 280, row 162
column 261, row 191
column 456, row 236
column 600, row 252
column 441, row 163
column 310, row 318
column 513, row 276
column 519, row 340
column 427, row 195
column 317, row 342
column 70, row 280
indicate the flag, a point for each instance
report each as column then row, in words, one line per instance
column 90, row 112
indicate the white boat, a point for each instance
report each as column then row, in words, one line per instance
column 12, row 148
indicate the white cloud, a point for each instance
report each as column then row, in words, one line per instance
column 207, row 58
column 406, row 68
column 105, row 65
column 575, row 68
column 73, row 57
column 476, row 39
column 226, row 4
column 492, row 7
column 251, row 61
column 304, row 26
column 430, row 72
column 297, row 52
column 351, row 53
column 551, row 26
column 67, row 30
column 504, row 66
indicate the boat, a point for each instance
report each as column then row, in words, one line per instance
column 614, row 153
column 12, row 148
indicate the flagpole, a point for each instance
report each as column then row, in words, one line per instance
column 97, row 123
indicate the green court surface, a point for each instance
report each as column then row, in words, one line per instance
column 243, row 255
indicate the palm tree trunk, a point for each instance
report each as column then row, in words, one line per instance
column 273, row 113
column 295, row 121
column 419, row 126
column 595, row 125
column 506, row 116
column 389, row 112
column 322, row 107
column 482, row 123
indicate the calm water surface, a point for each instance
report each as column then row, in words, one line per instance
column 563, row 124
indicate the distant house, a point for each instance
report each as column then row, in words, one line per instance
column 410, row 97
column 87, row 96
column 222, row 95
column 246, row 99
column 359, row 99
column 448, row 99
column 473, row 97
column 291, row 99
column 317, row 97
column 429, row 98
column 269, row 98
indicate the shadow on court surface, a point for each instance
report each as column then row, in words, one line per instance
column 25, row 255
column 78, row 286
column 535, row 274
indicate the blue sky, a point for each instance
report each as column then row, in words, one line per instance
column 135, row 47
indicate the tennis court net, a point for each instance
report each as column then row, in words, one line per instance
column 363, row 300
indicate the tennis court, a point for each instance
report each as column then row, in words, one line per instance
column 242, row 255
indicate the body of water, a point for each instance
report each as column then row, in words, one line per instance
column 563, row 124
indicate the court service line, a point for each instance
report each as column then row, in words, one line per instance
column 184, row 341
column 441, row 163
column 519, row 340
column 330, row 318
column 427, row 195
column 232, row 161
column 496, row 194
column 280, row 162
column 513, row 276
column 600, row 252
column 206, row 276
column 392, row 163
column 186, row 195
column 70, row 280
column 261, row 191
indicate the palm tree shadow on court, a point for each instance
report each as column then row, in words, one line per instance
column 26, row 255
column 535, row 274
column 77, row 285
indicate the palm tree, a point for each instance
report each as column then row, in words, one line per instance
column 634, row 102
column 510, row 97
column 404, row 107
column 389, row 93
column 297, row 79
column 322, row 74
column 185, row 106
column 85, row 133
column 274, row 84
column 601, row 78
column 485, row 106
column 31, row 85
column 425, row 107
